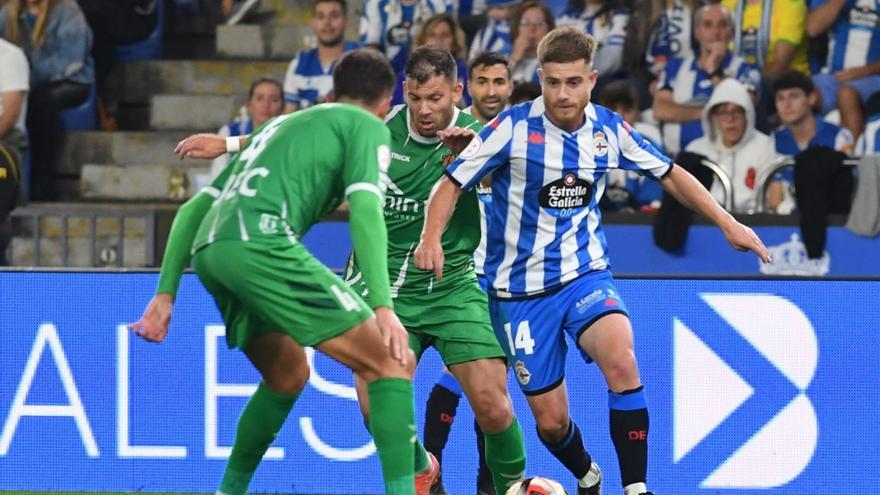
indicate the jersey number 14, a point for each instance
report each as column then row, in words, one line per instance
column 522, row 340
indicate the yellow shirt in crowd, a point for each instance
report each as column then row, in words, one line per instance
column 787, row 24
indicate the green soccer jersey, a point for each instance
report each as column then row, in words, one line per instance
column 416, row 166
column 294, row 170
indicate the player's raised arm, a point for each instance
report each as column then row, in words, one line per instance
column 686, row 189
column 153, row 325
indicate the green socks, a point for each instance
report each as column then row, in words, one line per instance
column 392, row 424
column 258, row 425
column 421, row 457
column 506, row 456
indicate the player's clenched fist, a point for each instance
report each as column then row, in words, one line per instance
column 153, row 325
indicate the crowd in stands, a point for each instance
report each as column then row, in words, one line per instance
column 739, row 83
column 743, row 84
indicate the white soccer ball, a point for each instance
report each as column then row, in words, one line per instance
column 536, row 486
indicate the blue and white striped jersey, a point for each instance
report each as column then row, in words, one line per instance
column 670, row 38
column 869, row 141
column 854, row 38
column 306, row 81
column 392, row 25
column 544, row 226
column 691, row 85
column 493, row 37
column 827, row 135
column 608, row 31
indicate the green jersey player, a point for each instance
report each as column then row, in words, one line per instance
column 449, row 314
column 274, row 296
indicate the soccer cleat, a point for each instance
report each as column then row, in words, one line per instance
column 596, row 489
column 426, row 479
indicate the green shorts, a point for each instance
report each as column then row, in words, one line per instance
column 266, row 287
column 455, row 321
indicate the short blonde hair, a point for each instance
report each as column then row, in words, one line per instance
column 566, row 44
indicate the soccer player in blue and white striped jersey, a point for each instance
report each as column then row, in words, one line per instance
column 391, row 25
column 547, row 263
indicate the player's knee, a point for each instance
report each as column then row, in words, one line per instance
column 493, row 415
column 621, row 369
column 552, row 428
column 385, row 366
column 291, row 380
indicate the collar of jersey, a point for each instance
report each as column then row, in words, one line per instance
column 434, row 140
column 539, row 109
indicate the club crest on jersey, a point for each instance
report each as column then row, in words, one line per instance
column 472, row 149
column 565, row 197
column 600, row 145
column 522, row 373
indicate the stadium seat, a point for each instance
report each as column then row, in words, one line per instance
column 83, row 117
column 148, row 49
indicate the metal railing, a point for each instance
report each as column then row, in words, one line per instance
column 723, row 180
column 111, row 255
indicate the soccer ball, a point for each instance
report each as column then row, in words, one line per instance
column 536, row 486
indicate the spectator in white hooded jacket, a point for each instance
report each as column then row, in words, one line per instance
column 731, row 140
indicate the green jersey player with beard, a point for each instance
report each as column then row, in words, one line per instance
column 449, row 314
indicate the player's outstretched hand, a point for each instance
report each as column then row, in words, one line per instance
column 456, row 138
column 201, row 146
column 743, row 238
column 394, row 335
column 153, row 325
column 429, row 256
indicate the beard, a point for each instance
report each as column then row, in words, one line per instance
column 483, row 108
column 333, row 42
